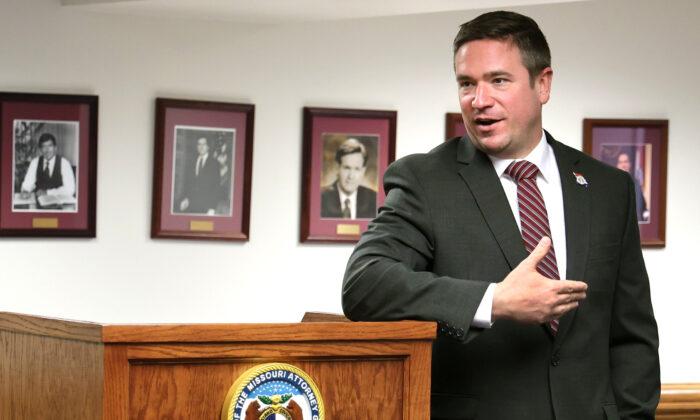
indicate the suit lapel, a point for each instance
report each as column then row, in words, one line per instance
column 577, row 215
column 477, row 172
column 335, row 202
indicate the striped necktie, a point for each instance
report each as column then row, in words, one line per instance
column 534, row 222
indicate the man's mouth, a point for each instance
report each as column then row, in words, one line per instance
column 485, row 122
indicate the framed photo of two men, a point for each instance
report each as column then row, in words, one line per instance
column 638, row 147
column 48, row 164
column 202, row 170
column 345, row 154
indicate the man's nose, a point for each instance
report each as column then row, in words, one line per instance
column 482, row 97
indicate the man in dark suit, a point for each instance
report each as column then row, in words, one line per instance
column 202, row 182
column 623, row 162
column 470, row 239
column 346, row 198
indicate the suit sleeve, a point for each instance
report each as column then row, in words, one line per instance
column 634, row 342
column 389, row 276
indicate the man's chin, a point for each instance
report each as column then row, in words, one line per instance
column 490, row 145
column 348, row 191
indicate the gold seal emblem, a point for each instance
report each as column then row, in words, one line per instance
column 273, row 391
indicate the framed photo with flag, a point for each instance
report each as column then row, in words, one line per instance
column 202, row 170
column 48, row 164
column 346, row 152
column 638, row 147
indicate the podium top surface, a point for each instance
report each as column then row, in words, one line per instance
column 207, row 333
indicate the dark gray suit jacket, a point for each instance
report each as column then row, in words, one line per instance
column 446, row 230
column 366, row 202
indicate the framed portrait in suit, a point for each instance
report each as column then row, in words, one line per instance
column 346, row 152
column 638, row 147
column 202, row 170
column 454, row 125
column 48, row 164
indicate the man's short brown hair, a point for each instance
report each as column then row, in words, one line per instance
column 513, row 27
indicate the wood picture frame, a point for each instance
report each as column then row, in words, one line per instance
column 48, row 165
column 640, row 147
column 357, row 143
column 202, row 170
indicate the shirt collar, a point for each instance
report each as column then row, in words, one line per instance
column 542, row 156
column 343, row 196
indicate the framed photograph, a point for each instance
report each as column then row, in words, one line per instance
column 454, row 125
column 202, row 170
column 638, row 147
column 48, row 165
column 346, row 152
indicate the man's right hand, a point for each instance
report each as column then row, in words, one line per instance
column 527, row 296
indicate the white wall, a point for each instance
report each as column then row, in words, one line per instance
column 624, row 59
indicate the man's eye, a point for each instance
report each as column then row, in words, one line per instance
column 499, row 81
column 465, row 84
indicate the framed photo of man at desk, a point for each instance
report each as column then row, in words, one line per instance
column 48, row 164
column 638, row 147
column 202, row 170
column 345, row 155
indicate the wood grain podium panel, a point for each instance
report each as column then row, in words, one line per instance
column 356, row 379
column 350, row 389
column 49, row 378
column 293, row 332
column 51, row 327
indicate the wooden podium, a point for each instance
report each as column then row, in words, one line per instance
column 57, row 369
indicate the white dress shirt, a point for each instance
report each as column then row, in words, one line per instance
column 549, row 183
column 353, row 199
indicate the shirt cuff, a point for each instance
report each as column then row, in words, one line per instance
column 482, row 318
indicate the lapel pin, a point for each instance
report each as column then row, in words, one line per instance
column 580, row 179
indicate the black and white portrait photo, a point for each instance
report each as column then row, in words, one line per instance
column 45, row 159
column 349, row 177
column 203, row 171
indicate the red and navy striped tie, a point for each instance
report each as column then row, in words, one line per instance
column 534, row 222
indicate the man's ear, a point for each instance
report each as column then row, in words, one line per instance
column 543, row 84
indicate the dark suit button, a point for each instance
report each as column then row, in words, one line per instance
column 555, row 360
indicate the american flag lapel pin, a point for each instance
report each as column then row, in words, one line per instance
column 580, row 179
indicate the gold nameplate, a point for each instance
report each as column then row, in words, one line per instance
column 45, row 222
column 345, row 229
column 201, row 226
